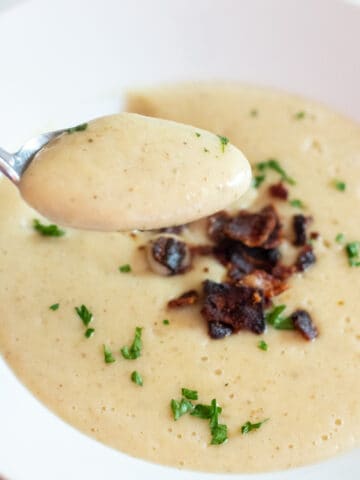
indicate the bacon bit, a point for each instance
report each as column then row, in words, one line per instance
column 216, row 224
column 314, row 235
column 219, row 330
column 278, row 190
column 283, row 272
column 304, row 324
column 259, row 279
column 169, row 256
column 305, row 259
column 275, row 237
column 241, row 308
column 300, row 223
column 252, row 229
column 185, row 299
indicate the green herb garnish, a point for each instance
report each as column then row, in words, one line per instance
column 254, row 112
column 203, row 411
column 248, row 426
column 206, row 150
column 353, row 252
column 198, row 134
column 89, row 332
column 218, row 431
column 297, row 203
column 273, row 164
column 54, row 307
column 85, row 314
column 166, row 321
column 258, row 180
column 340, row 237
column 108, row 356
column 137, row 378
column 125, row 268
column 189, row 394
column 47, row 230
column 180, row 408
column 279, row 322
column 340, row 185
column 134, row 351
column 263, row 345
column 300, row 115
column 78, row 128
column 224, row 141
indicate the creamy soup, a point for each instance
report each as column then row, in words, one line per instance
column 309, row 391
column 128, row 171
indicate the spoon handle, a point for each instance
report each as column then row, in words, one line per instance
column 6, row 166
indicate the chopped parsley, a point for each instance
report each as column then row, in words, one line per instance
column 125, row 268
column 218, row 431
column 353, row 252
column 51, row 230
column 137, row 378
column 300, row 115
column 108, row 356
column 340, row 237
column 206, row 150
column 297, row 203
column 166, row 321
column 263, row 345
column 134, row 351
column 340, row 185
column 203, row 411
column 85, row 314
column 89, row 332
column 180, row 408
column 198, row 134
column 254, row 112
column 248, row 426
column 273, row 164
column 258, row 180
column 54, row 307
column 78, row 128
column 189, row 394
column 279, row 322
column 224, row 141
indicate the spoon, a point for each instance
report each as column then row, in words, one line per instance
column 127, row 171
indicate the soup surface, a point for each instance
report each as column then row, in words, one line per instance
column 309, row 391
column 114, row 174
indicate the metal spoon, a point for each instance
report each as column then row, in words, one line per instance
column 13, row 165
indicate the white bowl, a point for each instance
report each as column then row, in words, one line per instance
column 64, row 62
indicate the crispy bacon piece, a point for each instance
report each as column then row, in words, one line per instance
column 216, row 224
column 241, row 308
column 188, row 298
column 283, row 272
column 169, row 256
column 219, row 330
column 300, row 224
column 275, row 237
column 252, row 229
column 278, row 190
column 304, row 324
column 259, row 279
column 305, row 258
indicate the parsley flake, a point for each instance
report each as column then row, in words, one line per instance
column 134, row 351
column 206, row 150
column 166, row 321
column 78, row 128
column 340, row 237
column 198, row 134
column 108, row 356
column 353, row 252
column 125, row 268
column 224, row 141
column 189, row 394
column 263, row 345
column 248, row 426
column 89, row 332
column 54, row 307
column 297, row 203
column 137, row 378
column 279, row 322
column 85, row 314
column 180, row 408
column 258, row 180
column 273, row 164
column 51, row 230
column 300, row 115
column 340, row 185
column 254, row 112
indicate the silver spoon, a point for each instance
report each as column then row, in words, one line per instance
column 13, row 165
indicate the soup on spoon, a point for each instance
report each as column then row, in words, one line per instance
column 128, row 171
